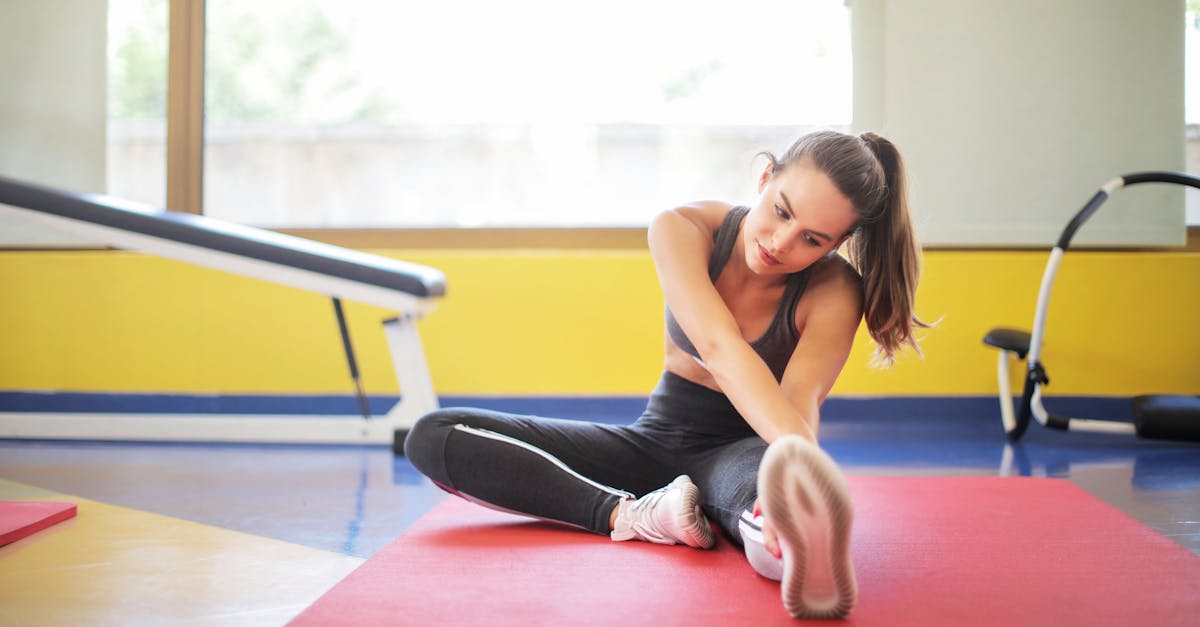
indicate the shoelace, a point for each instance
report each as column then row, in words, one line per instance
column 641, row 515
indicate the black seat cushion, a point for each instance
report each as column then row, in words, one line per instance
column 1014, row 340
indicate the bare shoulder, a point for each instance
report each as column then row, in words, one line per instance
column 835, row 282
column 707, row 214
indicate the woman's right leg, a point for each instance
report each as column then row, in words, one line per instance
column 561, row 470
column 805, row 499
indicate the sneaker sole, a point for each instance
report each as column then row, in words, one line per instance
column 806, row 500
column 698, row 532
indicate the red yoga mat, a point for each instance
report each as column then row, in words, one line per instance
column 928, row 552
column 19, row 519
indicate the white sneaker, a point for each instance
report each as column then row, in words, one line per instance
column 805, row 500
column 765, row 564
column 668, row 515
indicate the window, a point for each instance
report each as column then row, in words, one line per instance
column 462, row 113
column 355, row 113
column 137, row 100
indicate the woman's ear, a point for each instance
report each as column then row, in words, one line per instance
column 765, row 177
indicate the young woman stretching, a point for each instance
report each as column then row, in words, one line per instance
column 761, row 314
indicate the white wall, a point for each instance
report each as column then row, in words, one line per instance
column 1011, row 114
column 52, row 99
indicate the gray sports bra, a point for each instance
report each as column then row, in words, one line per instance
column 777, row 344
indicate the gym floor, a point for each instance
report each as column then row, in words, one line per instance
column 246, row 534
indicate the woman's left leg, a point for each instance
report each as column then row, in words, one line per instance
column 727, row 476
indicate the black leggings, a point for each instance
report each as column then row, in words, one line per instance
column 576, row 472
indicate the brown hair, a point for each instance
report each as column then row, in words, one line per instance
column 883, row 247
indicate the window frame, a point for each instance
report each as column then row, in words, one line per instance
column 185, row 171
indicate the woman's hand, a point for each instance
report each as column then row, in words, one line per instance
column 770, row 540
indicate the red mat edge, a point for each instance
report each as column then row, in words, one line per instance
column 1171, row 549
column 56, row 512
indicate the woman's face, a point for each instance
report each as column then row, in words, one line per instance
column 799, row 217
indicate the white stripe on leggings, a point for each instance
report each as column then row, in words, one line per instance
column 499, row 437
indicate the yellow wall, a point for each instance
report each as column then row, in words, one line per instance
column 559, row 323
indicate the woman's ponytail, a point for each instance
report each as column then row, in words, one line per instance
column 883, row 246
column 887, row 255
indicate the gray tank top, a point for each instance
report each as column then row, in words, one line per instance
column 779, row 342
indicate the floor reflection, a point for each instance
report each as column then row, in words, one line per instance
column 355, row 500
column 1154, row 481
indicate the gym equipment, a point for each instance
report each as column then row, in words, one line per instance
column 409, row 289
column 1171, row 417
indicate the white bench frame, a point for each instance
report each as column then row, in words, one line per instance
column 404, row 342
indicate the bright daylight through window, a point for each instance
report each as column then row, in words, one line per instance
column 358, row 113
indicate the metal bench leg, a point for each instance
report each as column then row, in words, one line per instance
column 1006, row 402
column 417, row 396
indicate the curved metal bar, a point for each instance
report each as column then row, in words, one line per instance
column 1154, row 176
column 1064, row 240
column 1133, row 178
column 1036, row 336
column 1031, row 407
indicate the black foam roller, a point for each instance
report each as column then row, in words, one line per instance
column 1167, row 417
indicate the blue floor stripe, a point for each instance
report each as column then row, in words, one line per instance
column 110, row 403
column 614, row 409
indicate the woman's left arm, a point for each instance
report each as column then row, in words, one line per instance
column 828, row 327
column 828, row 317
column 828, row 333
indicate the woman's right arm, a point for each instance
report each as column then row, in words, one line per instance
column 681, row 242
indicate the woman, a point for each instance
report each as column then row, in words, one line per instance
column 761, row 315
